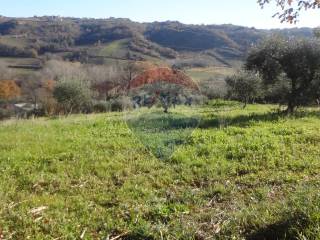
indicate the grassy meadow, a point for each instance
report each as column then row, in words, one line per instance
column 212, row 172
column 200, row 74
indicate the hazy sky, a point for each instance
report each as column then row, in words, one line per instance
column 239, row 12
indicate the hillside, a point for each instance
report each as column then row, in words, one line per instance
column 236, row 174
column 99, row 40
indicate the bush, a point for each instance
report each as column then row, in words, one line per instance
column 219, row 103
column 191, row 63
column 115, row 105
column 36, row 113
column 213, row 88
column 198, row 99
column 121, row 104
column 245, row 87
column 50, row 106
column 102, row 107
column 10, row 51
column 73, row 96
column 5, row 114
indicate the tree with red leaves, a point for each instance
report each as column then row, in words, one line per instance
column 9, row 90
column 165, row 84
column 167, row 75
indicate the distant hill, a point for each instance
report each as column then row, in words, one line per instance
column 101, row 40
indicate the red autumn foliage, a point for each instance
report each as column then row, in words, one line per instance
column 49, row 85
column 9, row 90
column 163, row 75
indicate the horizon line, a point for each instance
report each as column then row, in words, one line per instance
column 156, row 21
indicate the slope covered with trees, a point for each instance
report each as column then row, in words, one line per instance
column 79, row 39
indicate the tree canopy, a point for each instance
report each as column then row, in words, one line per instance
column 73, row 96
column 168, row 75
column 245, row 86
column 294, row 61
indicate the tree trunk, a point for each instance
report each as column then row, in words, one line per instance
column 245, row 103
column 292, row 98
column 291, row 108
column 165, row 106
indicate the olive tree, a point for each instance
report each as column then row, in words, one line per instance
column 296, row 61
column 166, row 94
column 244, row 86
column 73, row 96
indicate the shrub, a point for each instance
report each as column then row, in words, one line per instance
column 102, row 107
column 73, row 96
column 5, row 113
column 218, row 103
column 49, row 106
column 198, row 99
column 10, row 51
column 213, row 88
column 121, row 104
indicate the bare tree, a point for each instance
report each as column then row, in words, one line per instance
column 104, row 79
column 129, row 72
column 290, row 8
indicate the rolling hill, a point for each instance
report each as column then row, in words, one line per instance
column 98, row 40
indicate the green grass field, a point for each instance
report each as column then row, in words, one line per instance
column 211, row 79
column 233, row 174
column 201, row 74
column 116, row 49
column 113, row 48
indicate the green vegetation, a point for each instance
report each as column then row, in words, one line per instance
column 162, row 133
column 294, row 63
column 73, row 39
column 116, row 49
column 72, row 96
column 211, row 80
column 241, row 174
column 218, row 73
column 113, row 47
column 245, row 87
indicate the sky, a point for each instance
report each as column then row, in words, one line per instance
column 238, row 12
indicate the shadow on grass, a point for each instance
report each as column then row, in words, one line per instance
column 287, row 229
column 162, row 133
column 247, row 120
column 136, row 236
column 162, row 122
